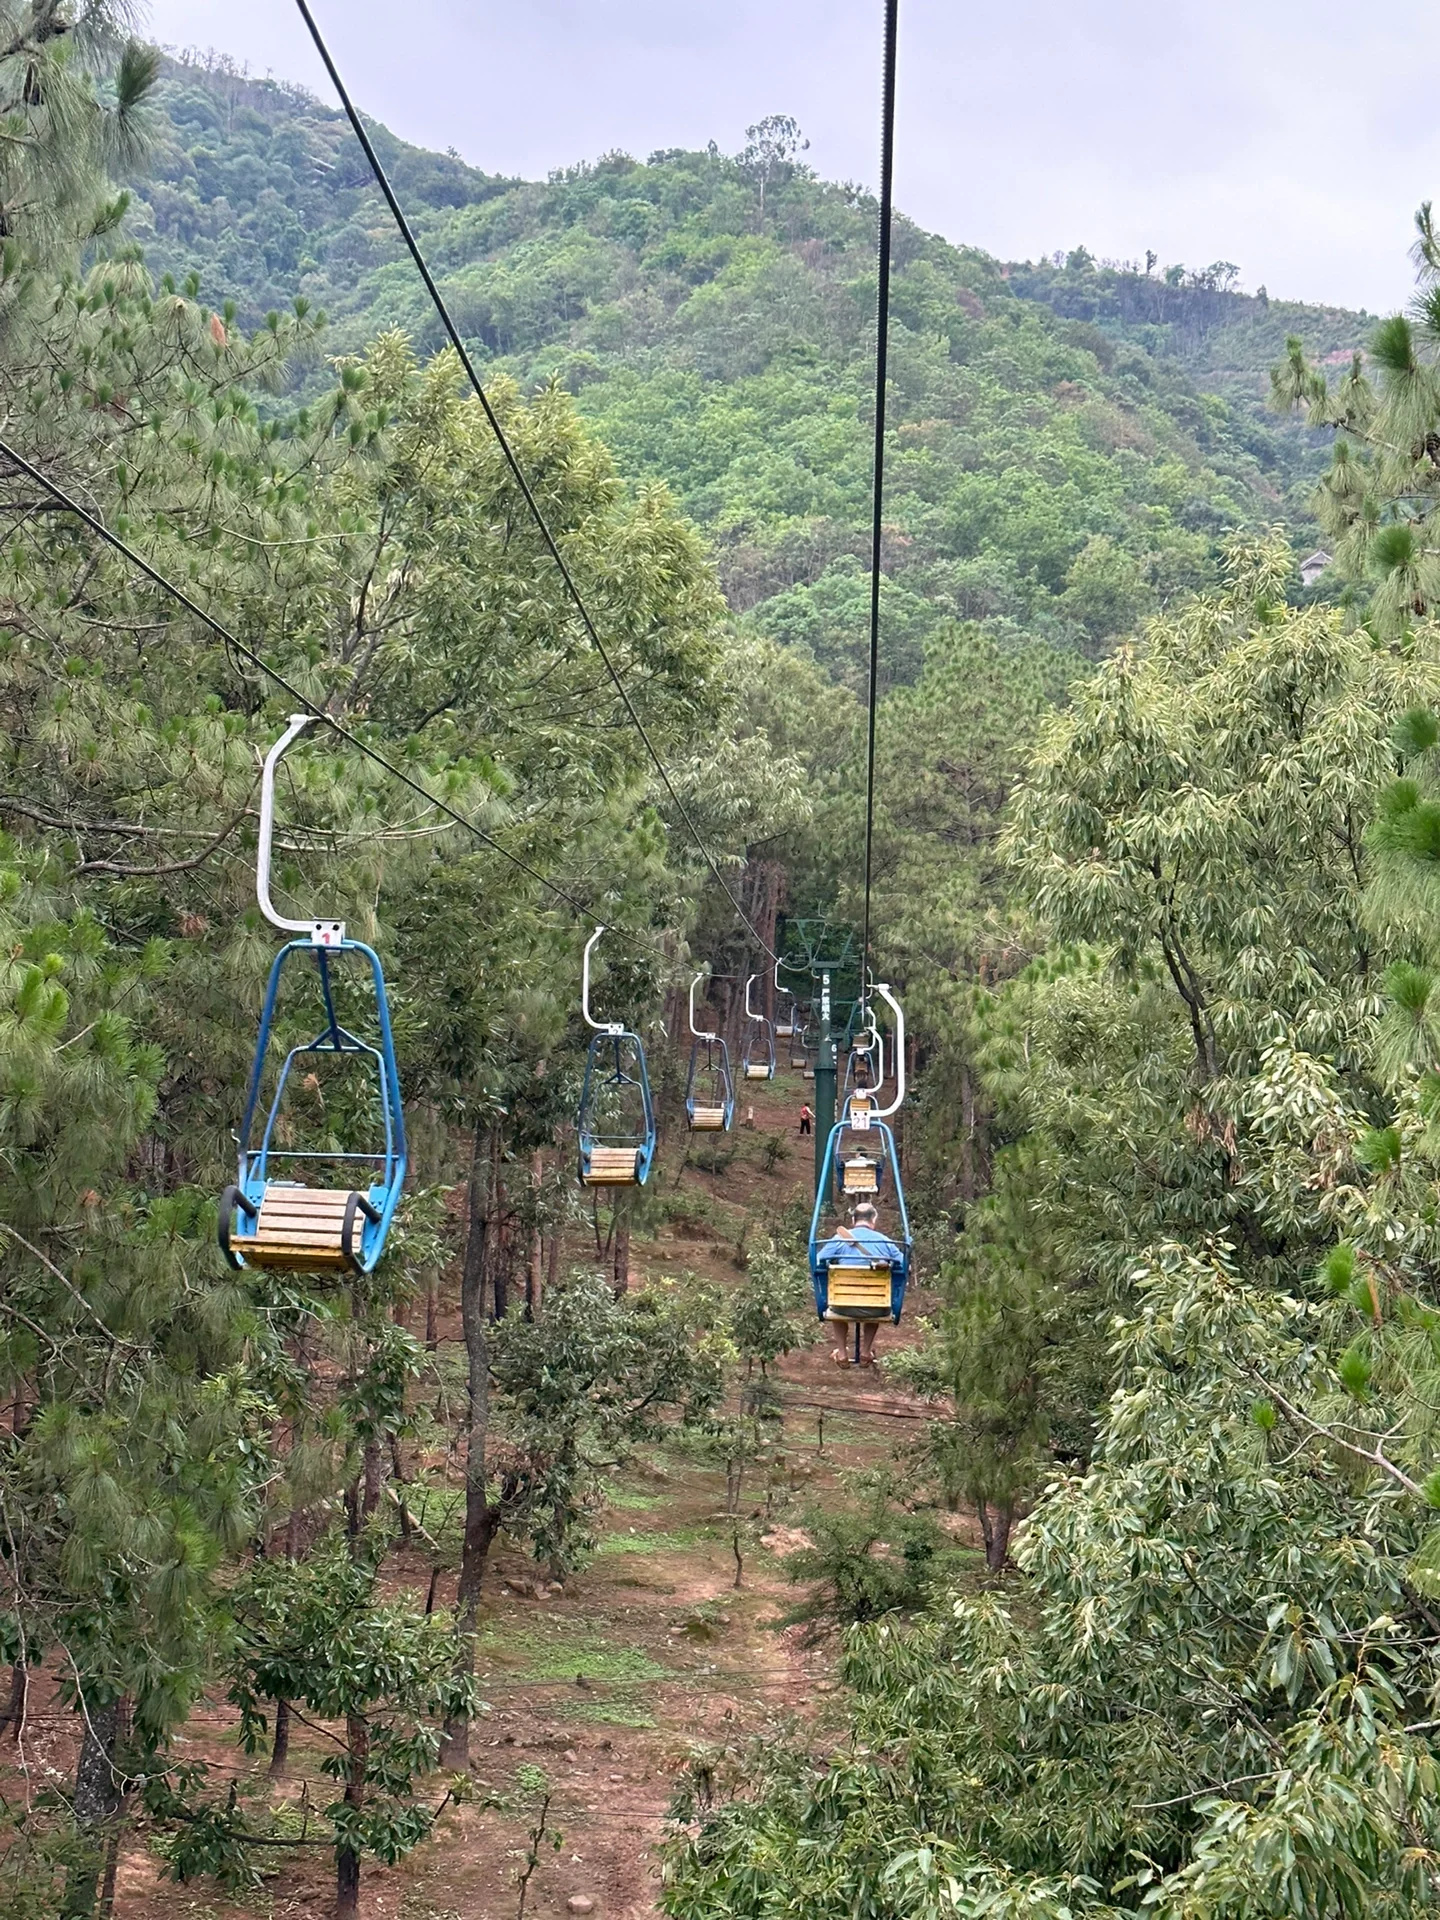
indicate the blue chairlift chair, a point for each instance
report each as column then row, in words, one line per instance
column 287, row 1208
column 859, row 1272
column 709, row 1087
column 757, row 1061
column 616, row 1119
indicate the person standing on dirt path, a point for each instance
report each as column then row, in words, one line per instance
column 861, row 1244
column 806, row 1117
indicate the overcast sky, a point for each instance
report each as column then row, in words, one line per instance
column 1294, row 140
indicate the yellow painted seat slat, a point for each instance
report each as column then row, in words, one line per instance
column 859, row 1176
column 851, row 1286
column 612, row 1167
column 298, row 1228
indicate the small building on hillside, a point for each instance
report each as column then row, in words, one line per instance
column 1313, row 565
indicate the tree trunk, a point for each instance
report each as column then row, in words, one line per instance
column 534, row 1279
column 397, row 1473
column 12, row 1719
column 97, row 1799
column 112, row 1868
column 371, row 1498
column 967, row 1135
column 497, row 1250
column 480, row 1517
column 432, row 1313
column 552, row 1268
column 622, row 1244
column 280, row 1745
column 347, row 1863
column 995, row 1525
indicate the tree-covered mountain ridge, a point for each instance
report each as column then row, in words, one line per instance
column 1069, row 441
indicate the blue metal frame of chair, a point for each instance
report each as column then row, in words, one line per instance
column 634, row 1075
column 595, row 1140
column 315, row 1228
column 377, row 1201
column 757, row 1058
column 709, row 1083
column 829, row 1194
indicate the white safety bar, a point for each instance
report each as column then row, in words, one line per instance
column 323, row 933
column 897, row 1050
column 600, row 1026
column 750, row 1013
column 871, row 1042
column 693, row 1028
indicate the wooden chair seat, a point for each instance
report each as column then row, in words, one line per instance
column 860, row 1289
column 612, row 1167
column 708, row 1119
column 783, row 1032
column 859, row 1176
column 303, row 1228
column 757, row 1070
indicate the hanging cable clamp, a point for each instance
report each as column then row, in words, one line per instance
column 323, row 933
column 612, row 1027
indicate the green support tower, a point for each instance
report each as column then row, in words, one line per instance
column 824, row 1081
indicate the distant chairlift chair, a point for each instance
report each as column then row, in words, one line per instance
column 616, row 1119
column 757, row 1062
column 709, row 1086
column 787, row 1010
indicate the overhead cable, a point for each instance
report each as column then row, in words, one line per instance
column 302, row 700
column 382, row 180
column 882, row 354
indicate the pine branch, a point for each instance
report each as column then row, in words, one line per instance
column 174, row 866
column 1319, row 1431
column 50, row 1267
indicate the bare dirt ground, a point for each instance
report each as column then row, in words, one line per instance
column 598, row 1693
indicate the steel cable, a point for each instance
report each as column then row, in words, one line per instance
column 382, row 180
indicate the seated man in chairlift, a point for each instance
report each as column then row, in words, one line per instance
column 861, row 1244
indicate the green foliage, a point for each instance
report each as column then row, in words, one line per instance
column 866, row 1559
column 62, row 140
column 318, row 1632
column 1067, row 1754
column 576, row 1389
column 1213, row 1225
column 768, row 1312
column 1377, row 502
column 714, row 317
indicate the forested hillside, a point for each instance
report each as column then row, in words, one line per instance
column 715, row 318
column 1024, row 1508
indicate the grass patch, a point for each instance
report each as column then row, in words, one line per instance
column 605, row 1665
column 627, row 1500
column 611, row 1713
column 679, row 1541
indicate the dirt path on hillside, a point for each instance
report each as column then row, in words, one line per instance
column 598, row 1693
